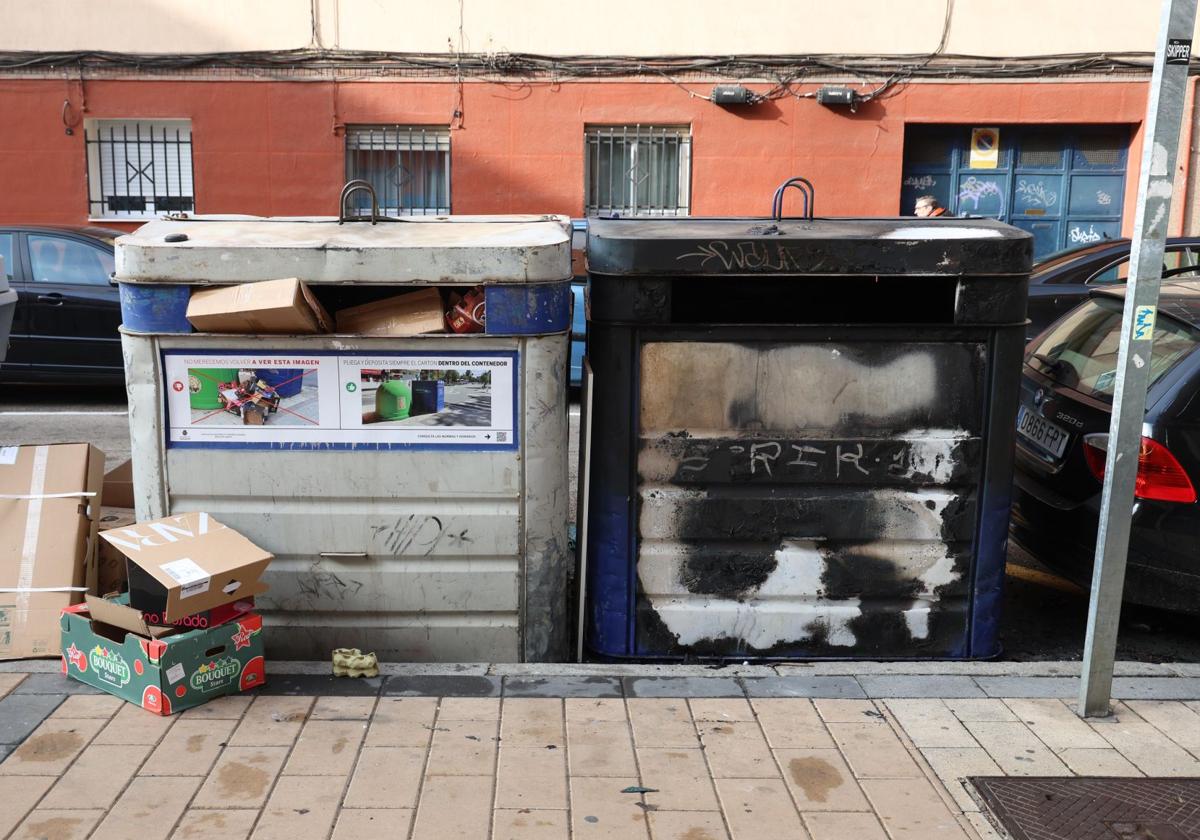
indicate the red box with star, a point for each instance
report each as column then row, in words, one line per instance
column 167, row 670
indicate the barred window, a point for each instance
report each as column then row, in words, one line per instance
column 638, row 169
column 139, row 168
column 409, row 167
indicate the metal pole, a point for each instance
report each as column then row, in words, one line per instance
column 1164, row 112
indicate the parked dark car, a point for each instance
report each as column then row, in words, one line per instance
column 1062, row 435
column 1063, row 280
column 68, row 311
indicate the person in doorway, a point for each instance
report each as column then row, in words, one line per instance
column 927, row 206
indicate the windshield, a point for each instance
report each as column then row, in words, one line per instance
column 1080, row 351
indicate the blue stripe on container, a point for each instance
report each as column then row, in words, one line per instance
column 528, row 309
column 155, row 309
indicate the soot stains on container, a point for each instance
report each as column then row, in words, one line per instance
column 724, row 576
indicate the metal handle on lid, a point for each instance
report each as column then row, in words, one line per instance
column 350, row 189
column 806, row 190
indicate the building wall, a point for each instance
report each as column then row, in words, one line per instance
column 272, row 147
column 614, row 27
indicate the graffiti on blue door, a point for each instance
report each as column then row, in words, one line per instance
column 1063, row 184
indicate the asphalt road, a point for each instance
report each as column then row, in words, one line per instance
column 1044, row 616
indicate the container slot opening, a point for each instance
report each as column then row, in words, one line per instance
column 338, row 297
column 215, row 651
column 860, row 299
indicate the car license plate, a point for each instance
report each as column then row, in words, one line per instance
column 1041, row 432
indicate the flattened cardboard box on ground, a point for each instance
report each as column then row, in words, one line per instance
column 414, row 313
column 271, row 306
column 186, row 564
column 49, row 509
column 163, row 671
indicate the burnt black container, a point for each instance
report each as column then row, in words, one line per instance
column 801, row 436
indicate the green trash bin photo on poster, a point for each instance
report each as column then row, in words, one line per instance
column 427, row 397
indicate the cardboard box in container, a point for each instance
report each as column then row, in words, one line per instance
column 49, row 508
column 163, row 670
column 271, row 306
column 186, row 564
column 414, row 313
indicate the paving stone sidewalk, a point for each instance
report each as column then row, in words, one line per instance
column 523, row 756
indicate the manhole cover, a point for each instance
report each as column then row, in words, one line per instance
column 1093, row 808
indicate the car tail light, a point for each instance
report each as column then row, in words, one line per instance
column 1159, row 475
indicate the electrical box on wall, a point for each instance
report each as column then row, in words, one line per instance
column 837, row 96
column 732, row 95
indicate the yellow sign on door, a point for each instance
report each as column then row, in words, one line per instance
column 985, row 148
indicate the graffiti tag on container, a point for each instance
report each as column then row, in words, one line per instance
column 823, row 460
column 744, row 256
column 1103, row 198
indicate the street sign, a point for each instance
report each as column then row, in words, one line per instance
column 985, row 148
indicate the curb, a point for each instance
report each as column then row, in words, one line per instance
column 1053, row 668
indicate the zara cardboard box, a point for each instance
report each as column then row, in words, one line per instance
column 186, row 564
column 163, row 670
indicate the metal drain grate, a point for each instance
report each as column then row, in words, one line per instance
column 1094, row 808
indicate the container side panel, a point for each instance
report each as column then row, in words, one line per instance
column 548, row 562
column 807, row 499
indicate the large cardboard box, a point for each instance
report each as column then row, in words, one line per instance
column 166, row 671
column 186, row 564
column 49, row 507
column 413, row 313
column 270, row 306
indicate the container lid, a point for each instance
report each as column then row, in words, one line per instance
column 756, row 246
column 441, row 250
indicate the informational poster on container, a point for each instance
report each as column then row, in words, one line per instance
column 333, row 400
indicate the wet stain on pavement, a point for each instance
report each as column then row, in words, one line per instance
column 815, row 776
column 55, row 828
column 52, row 746
column 241, row 781
column 697, row 833
column 201, row 826
column 339, row 745
column 195, row 743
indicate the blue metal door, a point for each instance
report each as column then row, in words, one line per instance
column 1063, row 184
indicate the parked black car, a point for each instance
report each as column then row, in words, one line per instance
column 68, row 311
column 1062, row 434
column 1063, row 280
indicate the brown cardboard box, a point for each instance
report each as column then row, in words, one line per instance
column 49, row 510
column 187, row 563
column 110, row 563
column 118, row 487
column 271, row 306
column 413, row 313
